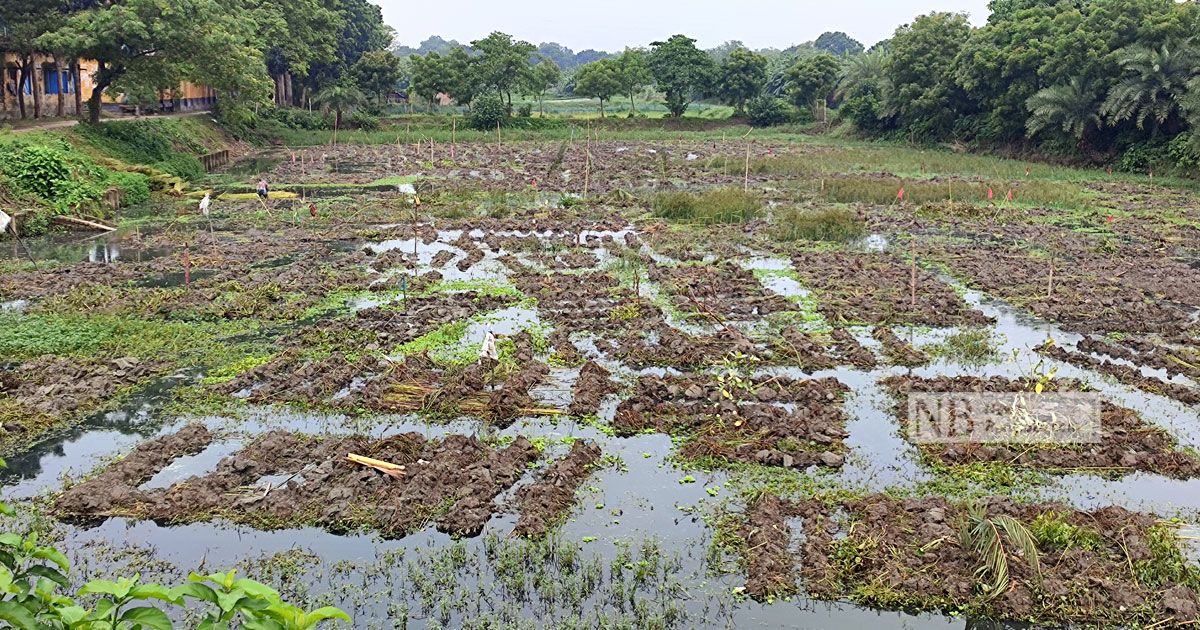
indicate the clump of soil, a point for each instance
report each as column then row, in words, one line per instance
column 875, row 288
column 50, row 391
column 743, row 421
column 897, row 350
column 117, row 484
column 850, row 351
column 771, row 567
column 1126, row 443
column 1106, row 566
column 593, row 384
column 451, row 483
column 1128, row 375
column 1182, row 360
column 722, row 291
column 1139, row 291
column 544, row 502
column 803, row 350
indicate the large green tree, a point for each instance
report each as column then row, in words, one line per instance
column 298, row 34
column 921, row 70
column 544, row 76
column 25, row 22
column 743, row 75
column 377, row 73
column 812, row 80
column 503, row 63
column 460, row 76
column 634, row 74
column 600, row 80
column 430, row 77
column 681, row 71
column 1071, row 108
column 214, row 42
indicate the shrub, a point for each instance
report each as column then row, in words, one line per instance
column 525, row 110
column 718, row 205
column 487, row 111
column 135, row 187
column 365, row 121
column 184, row 166
column 1140, row 157
column 826, row 224
column 38, row 170
column 766, row 110
column 301, row 119
column 1185, row 153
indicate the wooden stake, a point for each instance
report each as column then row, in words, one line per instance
column 746, row 177
column 1050, row 281
column 913, row 273
column 587, row 170
column 499, row 142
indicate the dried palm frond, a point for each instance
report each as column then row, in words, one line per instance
column 991, row 537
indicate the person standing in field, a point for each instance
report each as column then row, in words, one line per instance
column 263, row 191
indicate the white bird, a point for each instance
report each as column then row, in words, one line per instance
column 4, row 221
column 205, row 203
column 489, row 347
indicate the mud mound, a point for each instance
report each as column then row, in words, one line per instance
column 593, row 384
column 1096, row 566
column 117, row 484
column 897, row 350
column 544, row 502
column 770, row 565
column 876, row 288
column 742, row 422
column 1126, row 443
column 450, row 482
column 1128, row 375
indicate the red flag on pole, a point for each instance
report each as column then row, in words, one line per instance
column 990, row 194
column 1009, row 197
column 1111, row 218
column 900, row 194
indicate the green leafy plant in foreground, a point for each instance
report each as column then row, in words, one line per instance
column 32, row 574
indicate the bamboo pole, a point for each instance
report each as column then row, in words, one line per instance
column 746, row 175
column 913, row 272
column 1050, row 280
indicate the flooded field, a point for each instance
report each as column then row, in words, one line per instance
column 689, row 421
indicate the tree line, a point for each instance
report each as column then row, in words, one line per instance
column 239, row 48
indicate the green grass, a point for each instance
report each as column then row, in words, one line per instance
column 714, row 206
column 835, row 224
column 26, row 336
column 883, row 191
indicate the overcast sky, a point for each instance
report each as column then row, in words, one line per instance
column 614, row 24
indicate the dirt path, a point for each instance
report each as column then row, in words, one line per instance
column 66, row 124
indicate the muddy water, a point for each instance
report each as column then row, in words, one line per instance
column 640, row 495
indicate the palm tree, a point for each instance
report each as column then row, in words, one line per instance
column 868, row 67
column 1155, row 80
column 340, row 99
column 1071, row 106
